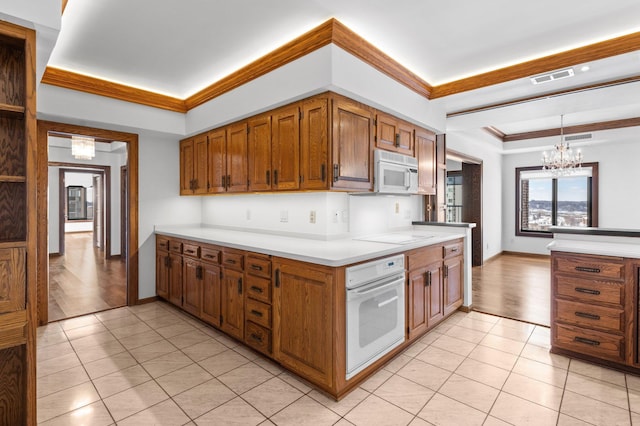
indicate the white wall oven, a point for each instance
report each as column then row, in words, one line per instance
column 375, row 311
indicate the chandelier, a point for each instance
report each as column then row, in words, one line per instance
column 83, row 148
column 561, row 160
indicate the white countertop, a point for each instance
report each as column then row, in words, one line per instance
column 338, row 252
column 598, row 245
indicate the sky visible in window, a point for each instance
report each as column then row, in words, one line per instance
column 569, row 189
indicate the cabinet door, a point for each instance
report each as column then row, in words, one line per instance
column 303, row 321
column 211, row 294
column 453, row 282
column 435, row 300
column 285, row 146
column 162, row 274
column 237, row 158
column 217, row 156
column 352, row 146
column 186, row 166
column 12, row 278
column 386, row 132
column 200, row 177
column 175, row 279
column 259, row 154
column 314, row 145
column 192, row 286
column 232, row 306
column 417, row 309
column 426, row 154
column 405, row 139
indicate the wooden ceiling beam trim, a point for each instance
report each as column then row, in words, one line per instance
column 96, row 86
column 578, row 89
column 494, row 131
column 572, row 130
column 604, row 49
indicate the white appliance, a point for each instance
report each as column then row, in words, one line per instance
column 395, row 173
column 375, row 311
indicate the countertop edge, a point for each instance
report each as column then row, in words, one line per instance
column 609, row 232
column 449, row 224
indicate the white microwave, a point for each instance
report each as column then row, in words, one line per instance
column 395, row 173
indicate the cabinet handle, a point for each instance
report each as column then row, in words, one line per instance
column 446, row 271
column 256, row 337
column 224, row 182
column 231, row 261
column 336, row 171
column 275, row 177
column 277, row 278
column 585, row 269
column 256, row 267
column 256, row 313
column 587, row 291
column 587, row 315
column 323, row 172
column 209, row 256
column 428, row 278
column 586, row 341
column 199, row 274
column 397, row 140
column 189, row 251
column 166, row 261
column 239, row 285
column 228, row 181
column 454, row 250
column 268, row 177
column 256, row 289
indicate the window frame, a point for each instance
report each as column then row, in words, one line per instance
column 592, row 206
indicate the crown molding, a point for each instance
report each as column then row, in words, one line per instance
column 593, row 52
column 569, row 130
column 334, row 32
column 96, row 86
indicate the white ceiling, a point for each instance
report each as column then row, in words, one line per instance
column 177, row 48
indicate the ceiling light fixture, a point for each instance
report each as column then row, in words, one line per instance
column 585, row 68
column 552, row 76
column 562, row 160
column 83, row 148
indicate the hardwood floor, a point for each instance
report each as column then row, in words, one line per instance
column 82, row 282
column 514, row 286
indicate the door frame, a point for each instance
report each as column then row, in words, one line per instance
column 105, row 171
column 42, row 153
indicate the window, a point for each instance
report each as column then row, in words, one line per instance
column 544, row 200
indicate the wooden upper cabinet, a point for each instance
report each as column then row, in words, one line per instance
column 426, row 154
column 352, row 145
column 187, row 150
column 259, row 154
column 217, row 161
column 314, row 145
column 236, row 179
column 193, row 161
column 285, row 149
column 394, row 135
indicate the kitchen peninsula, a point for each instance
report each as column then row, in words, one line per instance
column 285, row 296
column 595, row 274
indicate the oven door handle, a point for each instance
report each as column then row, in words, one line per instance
column 386, row 302
column 377, row 286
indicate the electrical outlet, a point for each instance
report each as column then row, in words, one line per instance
column 312, row 216
column 284, row 216
column 397, row 207
column 335, row 216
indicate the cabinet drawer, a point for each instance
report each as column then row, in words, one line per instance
column 210, row 254
column 423, row 256
column 590, row 266
column 259, row 266
column 589, row 342
column 588, row 315
column 259, row 288
column 591, row 291
column 191, row 250
column 258, row 337
column 233, row 260
column 162, row 244
column 452, row 250
column 258, row 312
column 175, row 246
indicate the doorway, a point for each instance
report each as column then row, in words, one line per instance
column 100, row 252
column 464, row 197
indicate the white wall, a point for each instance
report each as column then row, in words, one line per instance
column 618, row 175
column 488, row 149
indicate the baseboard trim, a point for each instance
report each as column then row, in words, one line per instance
column 517, row 254
column 147, row 300
column 466, row 309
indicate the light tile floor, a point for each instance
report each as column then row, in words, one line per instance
column 154, row 365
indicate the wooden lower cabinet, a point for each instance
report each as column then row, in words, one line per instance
column 232, row 305
column 162, row 274
column 303, row 303
column 192, row 286
column 211, row 294
column 175, row 279
column 453, row 284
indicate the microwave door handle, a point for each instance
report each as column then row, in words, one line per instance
column 407, row 178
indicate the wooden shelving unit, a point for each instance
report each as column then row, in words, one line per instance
column 17, row 225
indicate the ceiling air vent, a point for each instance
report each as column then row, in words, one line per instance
column 578, row 137
column 552, row 76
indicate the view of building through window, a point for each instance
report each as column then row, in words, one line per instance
column 547, row 200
